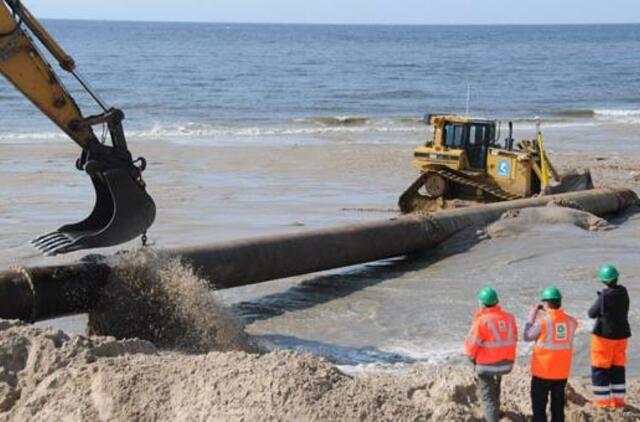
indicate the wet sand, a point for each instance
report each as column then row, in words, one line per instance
column 211, row 193
column 231, row 192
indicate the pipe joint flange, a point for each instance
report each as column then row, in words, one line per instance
column 626, row 199
column 26, row 278
column 568, row 203
column 431, row 220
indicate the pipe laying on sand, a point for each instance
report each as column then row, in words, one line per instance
column 48, row 292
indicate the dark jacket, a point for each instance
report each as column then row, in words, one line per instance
column 611, row 311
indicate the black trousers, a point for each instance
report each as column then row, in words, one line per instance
column 540, row 391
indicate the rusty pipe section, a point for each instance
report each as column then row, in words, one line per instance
column 48, row 292
column 35, row 294
column 249, row 261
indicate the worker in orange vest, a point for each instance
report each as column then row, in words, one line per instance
column 553, row 332
column 609, row 340
column 491, row 347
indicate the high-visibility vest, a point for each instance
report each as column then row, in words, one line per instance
column 491, row 342
column 553, row 349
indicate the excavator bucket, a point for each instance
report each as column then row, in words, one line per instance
column 123, row 211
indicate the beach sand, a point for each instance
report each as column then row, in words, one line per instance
column 47, row 375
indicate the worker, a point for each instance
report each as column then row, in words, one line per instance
column 491, row 347
column 609, row 340
column 553, row 331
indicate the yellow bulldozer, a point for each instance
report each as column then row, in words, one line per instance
column 465, row 160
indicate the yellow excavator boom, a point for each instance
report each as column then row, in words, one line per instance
column 27, row 70
column 123, row 209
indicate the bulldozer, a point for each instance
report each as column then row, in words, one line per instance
column 464, row 160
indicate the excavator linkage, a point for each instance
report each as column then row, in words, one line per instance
column 123, row 210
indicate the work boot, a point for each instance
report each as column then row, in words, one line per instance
column 603, row 404
column 617, row 404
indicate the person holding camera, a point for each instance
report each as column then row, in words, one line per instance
column 553, row 332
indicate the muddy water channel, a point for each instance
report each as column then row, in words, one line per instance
column 418, row 309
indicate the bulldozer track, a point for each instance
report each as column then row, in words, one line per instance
column 461, row 179
column 453, row 177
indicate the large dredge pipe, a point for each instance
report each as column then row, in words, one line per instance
column 43, row 293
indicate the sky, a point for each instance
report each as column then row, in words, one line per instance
column 346, row 11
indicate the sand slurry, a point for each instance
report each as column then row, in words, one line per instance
column 162, row 300
column 47, row 375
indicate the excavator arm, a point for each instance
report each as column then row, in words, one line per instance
column 123, row 209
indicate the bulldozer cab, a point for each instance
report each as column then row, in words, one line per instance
column 474, row 137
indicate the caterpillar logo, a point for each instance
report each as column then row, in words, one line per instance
column 504, row 168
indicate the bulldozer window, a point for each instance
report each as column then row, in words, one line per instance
column 454, row 135
column 477, row 135
column 476, row 148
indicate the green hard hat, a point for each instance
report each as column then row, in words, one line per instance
column 487, row 296
column 608, row 273
column 550, row 293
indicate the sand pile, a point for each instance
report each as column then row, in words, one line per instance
column 47, row 375
column 514, row 222
column 160, row 299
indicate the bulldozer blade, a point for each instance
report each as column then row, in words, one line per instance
column 123, row 211
column 411, row 199
column 572, row 181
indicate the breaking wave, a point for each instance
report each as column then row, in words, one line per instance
column 337, row 120
column 26, row 137
column 619, row 116
column 629, row 116
column 300, row 128
column 332, row 126
column 317, row 126
column 578, row 113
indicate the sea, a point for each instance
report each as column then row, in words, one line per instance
column 258, row 129
column 233, row 82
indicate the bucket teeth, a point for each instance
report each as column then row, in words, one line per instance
column 52, row 243
column 46, row 238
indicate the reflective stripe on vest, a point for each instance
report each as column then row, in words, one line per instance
column 498, row 342
column 549, row 335
column 497, row 368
